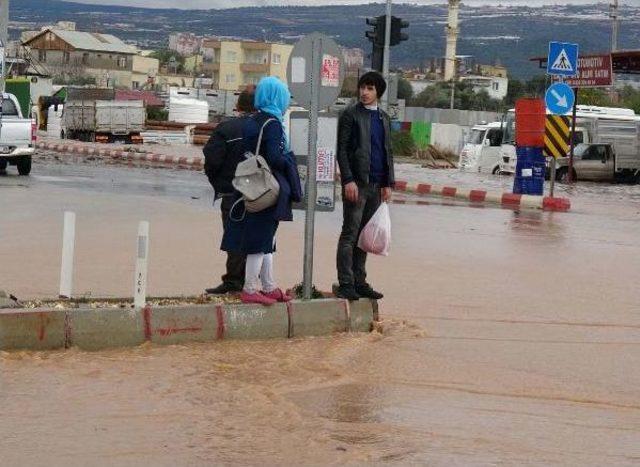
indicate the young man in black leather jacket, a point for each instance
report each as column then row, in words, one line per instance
column 366, row 169
column 222, row 153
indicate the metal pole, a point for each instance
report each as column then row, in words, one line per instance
column 142, row 256
column 552, row 176
column 68, row 247
column 4, row 36
column 453, row 92
column 384, row 102
column 571, row 138
column 309, row 226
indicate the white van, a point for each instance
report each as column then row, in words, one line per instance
column 482, row 152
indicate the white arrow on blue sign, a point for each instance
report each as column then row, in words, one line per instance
column 562, row 59
column 559, row 99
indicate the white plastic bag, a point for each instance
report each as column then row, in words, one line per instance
column 375, row 238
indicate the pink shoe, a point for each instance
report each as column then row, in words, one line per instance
column 278, row 295
column 258, row 298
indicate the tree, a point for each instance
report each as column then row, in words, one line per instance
column 405, row 91
column 594, row 96
column 433, row 96
column 630, row 98
column 166, row 56
column 349, row 87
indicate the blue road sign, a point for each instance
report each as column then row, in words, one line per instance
column 562, row 59
column 559, row 99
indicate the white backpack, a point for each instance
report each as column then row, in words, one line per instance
column 254, row 179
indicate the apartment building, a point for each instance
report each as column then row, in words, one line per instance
column 235, row 64
column 354, row 61
column 185, row 43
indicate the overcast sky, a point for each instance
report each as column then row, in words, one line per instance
column 208, row 4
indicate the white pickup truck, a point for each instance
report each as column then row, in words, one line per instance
column 17, row 136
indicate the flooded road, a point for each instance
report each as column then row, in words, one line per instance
column 508, row 338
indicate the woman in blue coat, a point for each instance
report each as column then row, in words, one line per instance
column 254, row 234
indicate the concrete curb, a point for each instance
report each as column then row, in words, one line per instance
column 193, row 163
column 95, row 329
column 505, row 200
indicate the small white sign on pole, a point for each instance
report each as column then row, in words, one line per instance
column 68, row 247
column 298, row 69
column 326, row 165
column 140, row 291
column 330, row 71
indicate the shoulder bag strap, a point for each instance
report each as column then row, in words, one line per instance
column 257, row 153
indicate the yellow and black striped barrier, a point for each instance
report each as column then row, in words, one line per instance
column 556, row 136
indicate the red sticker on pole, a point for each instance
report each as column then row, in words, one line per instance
column 330, row 71
column 593, row 71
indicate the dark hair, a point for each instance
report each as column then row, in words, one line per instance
column 245, row 100
column 373, row 78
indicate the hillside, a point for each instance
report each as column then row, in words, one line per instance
column 508, row 34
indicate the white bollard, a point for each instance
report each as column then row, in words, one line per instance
column 140, row 290
column 68, row 247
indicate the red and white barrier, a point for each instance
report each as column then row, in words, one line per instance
column 507, row 200
column 194, row 163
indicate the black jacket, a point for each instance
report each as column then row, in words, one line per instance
column 222, row 153
column 354, row 145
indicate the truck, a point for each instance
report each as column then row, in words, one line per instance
column 613, row 157
column 594, row 125
column 103, row 121
column 481, row 153
column 17, row 136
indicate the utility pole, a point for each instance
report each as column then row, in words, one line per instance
column 385, row 56
column 613, row 14
column 4, row 38
column 615, row 24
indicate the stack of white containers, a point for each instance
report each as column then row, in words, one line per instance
column 54, row 119
column 184, row 108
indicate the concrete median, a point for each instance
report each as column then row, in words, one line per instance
column 255, row 322
column 100, row 328
column 319, row 317
column 94, row 329
column 33, row 329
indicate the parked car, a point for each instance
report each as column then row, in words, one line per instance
column 17, row 136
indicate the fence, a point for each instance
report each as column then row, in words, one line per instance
column 444, row 128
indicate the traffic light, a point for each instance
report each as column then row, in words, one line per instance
column 377, row 57
column 377, row 34
column 397, row 25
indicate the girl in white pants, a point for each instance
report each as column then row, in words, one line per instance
column 259, row 283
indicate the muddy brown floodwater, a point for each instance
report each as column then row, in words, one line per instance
column 508, row 338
